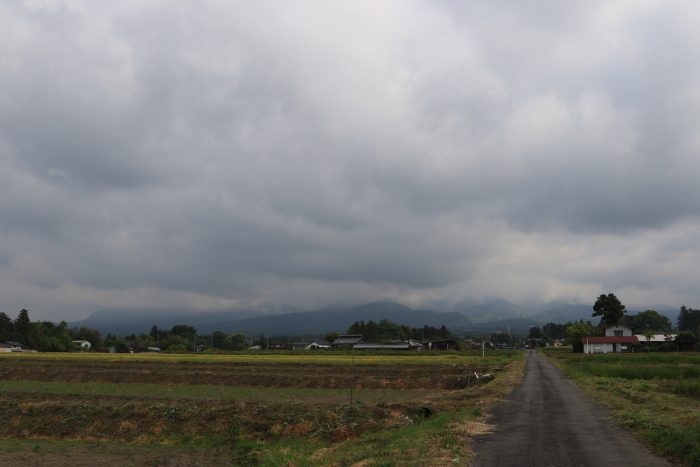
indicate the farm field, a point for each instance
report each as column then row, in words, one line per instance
column 656, row 395
column 246, row 409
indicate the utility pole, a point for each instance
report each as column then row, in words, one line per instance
column 352, row 375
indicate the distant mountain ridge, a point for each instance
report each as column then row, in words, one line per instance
column 462, row 318
column 314, row 322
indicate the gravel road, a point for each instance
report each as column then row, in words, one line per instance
column 548, row 421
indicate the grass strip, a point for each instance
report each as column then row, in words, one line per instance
column 212, row 392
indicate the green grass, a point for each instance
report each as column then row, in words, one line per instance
column 650, row 358
column 687, row 388
column 653, row 394
column 631, row 371
column 214, row 392
column 71, row 452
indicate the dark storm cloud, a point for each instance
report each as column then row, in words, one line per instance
column 224, row 153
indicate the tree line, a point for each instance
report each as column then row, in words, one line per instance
column 44, row 336
column 386, row 330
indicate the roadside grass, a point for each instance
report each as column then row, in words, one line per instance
column 654, row 395
column 430, row 441
column 411, row 440
column 214, row 392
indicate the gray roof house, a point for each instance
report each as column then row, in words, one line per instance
column 347, row 340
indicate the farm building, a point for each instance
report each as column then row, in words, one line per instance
column 409, row 345
column 313, row 345
column 443, row 344
column 5, row 348
column 319, row 344
column 656, row 338
column 616, row 339
column 346, row 341
column 14, row 346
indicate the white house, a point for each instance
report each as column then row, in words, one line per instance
column 14, row 346
column 616, row 339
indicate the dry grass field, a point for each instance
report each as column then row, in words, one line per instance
column 246, row 409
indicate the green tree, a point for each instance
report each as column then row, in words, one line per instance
column 218, row 339
column 87, row 334
column 331, row 336
column 236, row 342
column 186, row 332
column 6, row 327
column 686, row 340
column 610, row 309
column 177, row 348
column 576, row 332
column 22, row 327
column 554, row 331
column 689, row 319
column 648, row 320
column 166, row 342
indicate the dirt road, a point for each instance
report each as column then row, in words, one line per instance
column 548, row 421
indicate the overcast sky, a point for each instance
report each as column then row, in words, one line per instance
column 223, row 154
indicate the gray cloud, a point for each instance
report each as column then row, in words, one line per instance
column 224, row 154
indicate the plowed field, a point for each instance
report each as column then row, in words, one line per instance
column 275, row 409
column 299, row 375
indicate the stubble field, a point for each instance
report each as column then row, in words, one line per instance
column 311, row 409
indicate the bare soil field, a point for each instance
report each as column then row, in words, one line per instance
column 297, row 375
column 248, row 412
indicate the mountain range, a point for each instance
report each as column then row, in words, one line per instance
column 463, row 318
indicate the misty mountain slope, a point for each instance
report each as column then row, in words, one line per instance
column 465, row 318
column 323, row 321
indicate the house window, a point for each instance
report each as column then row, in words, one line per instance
column 618, row 333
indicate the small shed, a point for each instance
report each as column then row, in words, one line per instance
column 318, row 344
column 83, row 345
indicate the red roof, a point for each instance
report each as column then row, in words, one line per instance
column 610, row 340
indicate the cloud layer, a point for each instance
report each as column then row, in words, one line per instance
column 224, row 154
